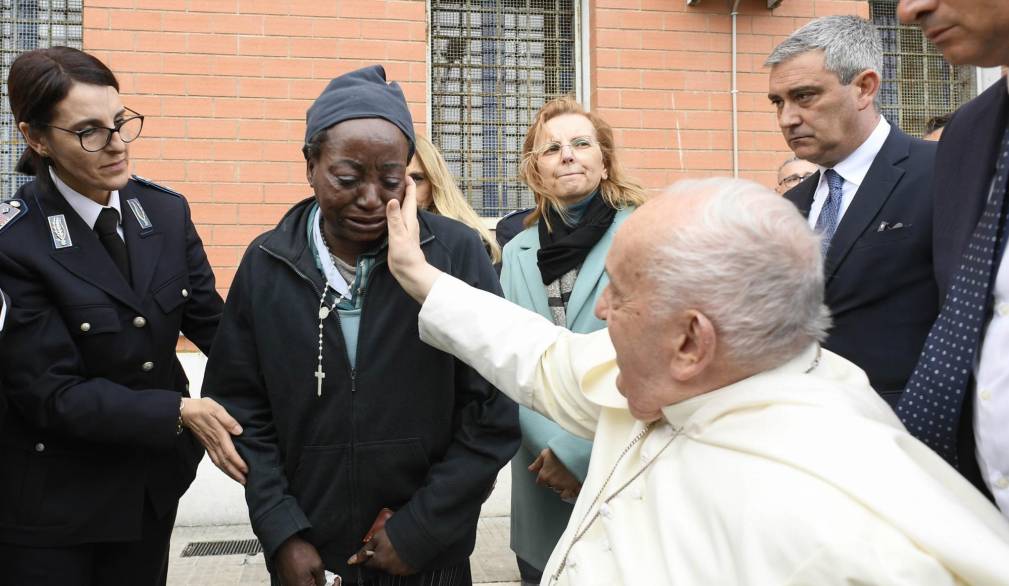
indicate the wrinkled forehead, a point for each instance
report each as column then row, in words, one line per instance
column 565, row 127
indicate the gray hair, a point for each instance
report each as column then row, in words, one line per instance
column 750, row 263
column 850, row 46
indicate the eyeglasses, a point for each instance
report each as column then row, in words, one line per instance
column 554, row 148
column 794, row 179
column 97, row 138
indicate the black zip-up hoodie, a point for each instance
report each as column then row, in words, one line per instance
column 410, row 428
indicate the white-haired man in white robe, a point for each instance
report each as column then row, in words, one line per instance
column 729, row 448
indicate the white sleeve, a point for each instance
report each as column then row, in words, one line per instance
column 520, row 352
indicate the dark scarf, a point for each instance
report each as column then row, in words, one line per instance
column 567, row 246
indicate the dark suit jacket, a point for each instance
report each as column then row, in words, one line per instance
column 965, row 165
column 94, row 391
column 4, row 306
column 880, row 287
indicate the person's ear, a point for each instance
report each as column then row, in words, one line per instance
column 310, row 171
column 36, row 142
column 694, row 348
column 867, row 85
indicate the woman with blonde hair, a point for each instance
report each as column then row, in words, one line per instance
column 555, row 267
column 438, row 193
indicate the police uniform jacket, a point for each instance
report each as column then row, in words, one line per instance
column 89, row 366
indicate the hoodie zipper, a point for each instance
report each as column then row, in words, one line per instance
column 355, row 518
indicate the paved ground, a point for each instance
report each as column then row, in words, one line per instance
column 493, row 563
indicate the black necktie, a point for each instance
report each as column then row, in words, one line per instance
column 105, row 226
column 931, row 404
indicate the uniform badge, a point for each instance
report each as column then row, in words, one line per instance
column 10, row 211
column 138, row 211
column 61, row 234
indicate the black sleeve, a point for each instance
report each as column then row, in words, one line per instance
column 486, row 437
column 233, row 378
column 203, row 312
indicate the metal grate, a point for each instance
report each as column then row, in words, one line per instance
column 493, row 64
column 26, row 25
column 198, row 549
column 917, row 82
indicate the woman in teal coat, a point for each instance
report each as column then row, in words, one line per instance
column 556, row 268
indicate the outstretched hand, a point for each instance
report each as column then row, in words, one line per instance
column 405, row 257
column 213, row 426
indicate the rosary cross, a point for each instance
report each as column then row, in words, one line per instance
column 319, row 374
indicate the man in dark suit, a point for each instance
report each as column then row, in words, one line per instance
column 869, row 200
column 963, row 373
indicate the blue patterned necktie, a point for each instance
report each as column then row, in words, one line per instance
column 931, row 404
column 830, row 213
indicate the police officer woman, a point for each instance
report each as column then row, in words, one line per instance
column 100, row 439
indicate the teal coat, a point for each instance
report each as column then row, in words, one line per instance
column 538, row 515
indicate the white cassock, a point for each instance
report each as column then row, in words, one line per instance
column 797, row 475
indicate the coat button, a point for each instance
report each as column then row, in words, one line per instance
column 85, row 327
column 147, row 366
column 185, row 292
column 139, row 322
column 15, row 204
column 40, row 447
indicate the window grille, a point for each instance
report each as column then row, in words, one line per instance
column 27, row 25
column 917, row 82
column 494, row 63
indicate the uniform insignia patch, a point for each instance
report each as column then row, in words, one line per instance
column 147, row 182
column 10, row 211
column 138, row 211
column 60, row 232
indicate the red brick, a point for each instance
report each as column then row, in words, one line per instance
column 134, row 20
column 213, row 44
column 241, row 108
column 160, row 42
column 161, row 171
column 263, row 46
column 188, row 22
column 160, row 84
column 238, row 151
column 237, row 235
column 212, row 86
column 95, row 18
column 214, row 213
column 411, row 10
column 188, row 150
column 263, row 88
column 264, row 215
column 237, row 193
column 187, row 63
column 211, row 171
column 214, row 6
column 191, row 107
column 212, row 128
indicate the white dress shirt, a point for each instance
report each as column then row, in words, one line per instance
column 991, row 399
column 87, row 208
column 852, row 169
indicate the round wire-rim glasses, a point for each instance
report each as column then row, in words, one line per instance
column 96, row 138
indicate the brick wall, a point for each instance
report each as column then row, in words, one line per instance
column 661, row 76
column 225, row 85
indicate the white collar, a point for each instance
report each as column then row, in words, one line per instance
column 333, row 276
column 856, row 165
column 678, row 414
column 87, row 208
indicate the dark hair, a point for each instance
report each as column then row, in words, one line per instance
column 41, row 79
column 313, row 148
column 935, row 123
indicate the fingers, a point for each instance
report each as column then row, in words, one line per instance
column 363, row 555
column 410, row 200
column 537, row 464
column 225, row 418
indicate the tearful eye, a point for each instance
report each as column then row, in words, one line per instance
column 582, row 142
column 346, row 180
column 88, row 132
column 552, row 148
column 417, row 177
